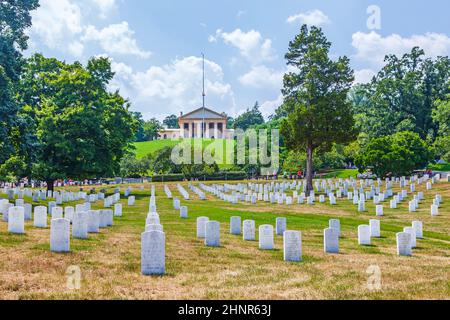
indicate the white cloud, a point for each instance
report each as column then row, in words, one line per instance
column 55, row 22
column 251, row 44
column 116, row 39
column 364, row 75
column 105, row 7
column 268, row 107
column 262, row 77
column 62, row 25
column 312, row 18
column 372, row 47
column 76, row 49
column 174, row 87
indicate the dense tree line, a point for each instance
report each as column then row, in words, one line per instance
column 59, row 121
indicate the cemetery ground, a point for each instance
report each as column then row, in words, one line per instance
column 110, row 261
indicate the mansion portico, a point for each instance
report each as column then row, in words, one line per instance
column 212, row 124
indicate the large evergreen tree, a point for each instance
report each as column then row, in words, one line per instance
column 315, row 98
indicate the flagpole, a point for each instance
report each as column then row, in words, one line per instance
column 204, row 95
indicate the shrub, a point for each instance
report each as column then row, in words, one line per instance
column 397, row 155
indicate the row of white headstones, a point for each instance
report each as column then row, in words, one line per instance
column 153, row 241
column 358, row 199
column 406, row 240
column 292, row 240
column 82, row 219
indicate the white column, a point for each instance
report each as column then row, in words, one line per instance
column 190, row 130
column 199, row 129
column 224, row 130
column 216, row 131
column 207, row 130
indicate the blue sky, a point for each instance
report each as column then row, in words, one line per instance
column 156, row 46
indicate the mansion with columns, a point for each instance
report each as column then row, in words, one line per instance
column 213, row 125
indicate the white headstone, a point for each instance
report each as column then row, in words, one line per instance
column 176, row 204
column 412, row 206
column 364, row 235
column 60, row 235
column 153, row 259
column 93, row 221
column 103, row 219
column 393, row 204
column 184, row 212
column 404, row 244
column 249, row 230
column 379, row 210
column 266, row 238
column 212, row 234
column 68, row 213
column 331, row 240
column 418, row 227
column 434, row 210
column 412, row 232
column 131, row 200
column 235, row 225
column 80, row 208
column 335, row 224
column 361, row 206
column 57, row 213
column 152, row 218
column 40, row 217
column 201, row 226
column 16, row 220
column 281, row 226
column 375, row 231
column 118, row 210
column 292, row 246
column 80, row 225
column 154, row 227
column 109, row 217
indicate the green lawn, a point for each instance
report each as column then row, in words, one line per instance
column 342, row 174
column 440, row 167
column 150, row 147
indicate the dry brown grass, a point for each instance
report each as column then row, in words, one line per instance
column 110, row 261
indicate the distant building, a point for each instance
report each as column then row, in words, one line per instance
column 213, row 125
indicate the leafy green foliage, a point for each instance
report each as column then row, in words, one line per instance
column 442, row 147
column 251, row 117
column 395, row 155
column 171, row 122
column 12, row 169
column 441, row 115
column 401, row 97
column 14, row 20
column 131, row 167
column 82, row 130
column 147, row 130
column 315, row 97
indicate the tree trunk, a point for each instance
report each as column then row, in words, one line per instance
column 50, row 185
column 309, row 170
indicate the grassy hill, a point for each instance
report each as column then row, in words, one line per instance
column 150, row 147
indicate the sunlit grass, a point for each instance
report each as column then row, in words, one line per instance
column 110, row 261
